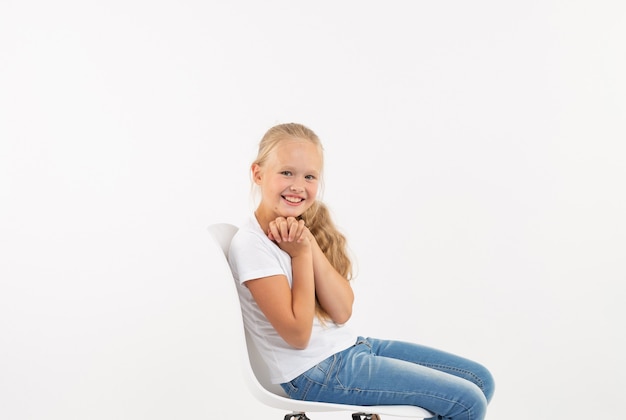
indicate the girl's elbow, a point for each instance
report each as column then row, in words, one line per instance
column 300, row 343
column 343, row 317
column 299, row 340
column 301, row 346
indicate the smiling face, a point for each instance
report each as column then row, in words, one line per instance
column 289, row 180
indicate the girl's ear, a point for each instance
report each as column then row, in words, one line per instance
column 256, row 173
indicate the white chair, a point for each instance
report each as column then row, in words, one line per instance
column 256, row 372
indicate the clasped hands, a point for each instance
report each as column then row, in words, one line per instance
column 291, row 234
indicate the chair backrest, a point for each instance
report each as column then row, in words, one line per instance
column 223, row 233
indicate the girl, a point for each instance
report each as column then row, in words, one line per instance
column 292, row 271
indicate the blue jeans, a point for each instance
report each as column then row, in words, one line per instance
column 384, row 372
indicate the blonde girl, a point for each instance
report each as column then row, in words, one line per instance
column 292, row 271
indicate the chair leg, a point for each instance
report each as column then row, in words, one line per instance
column 365, row 416
column 296, row 416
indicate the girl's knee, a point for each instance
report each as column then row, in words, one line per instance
column 470, row 404
column 478, row 408
column 487, row 385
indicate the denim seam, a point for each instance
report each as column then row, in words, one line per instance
column 327, row 374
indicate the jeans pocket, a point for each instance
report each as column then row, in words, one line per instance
column 320, row 373
column 291, row 387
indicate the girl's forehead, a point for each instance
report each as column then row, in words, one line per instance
column 298, row 150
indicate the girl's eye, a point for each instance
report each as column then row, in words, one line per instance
column 286, row 173
column 311, row 177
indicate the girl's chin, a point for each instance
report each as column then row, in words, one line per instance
column 291, row 212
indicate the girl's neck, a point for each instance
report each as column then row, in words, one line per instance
column 264, row 221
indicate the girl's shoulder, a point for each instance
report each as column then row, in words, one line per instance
column 248, row 237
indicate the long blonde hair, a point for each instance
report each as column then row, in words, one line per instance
column 317, row 218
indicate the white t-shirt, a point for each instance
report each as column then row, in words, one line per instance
column 251, row 256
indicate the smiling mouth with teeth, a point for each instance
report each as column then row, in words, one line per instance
column 293, row 199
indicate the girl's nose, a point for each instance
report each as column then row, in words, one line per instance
column 296, row 188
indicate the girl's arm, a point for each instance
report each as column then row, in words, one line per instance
column 333, row 290
column 290, row 310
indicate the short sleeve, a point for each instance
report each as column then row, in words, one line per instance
column 252, row 257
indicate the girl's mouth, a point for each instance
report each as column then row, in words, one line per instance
column 292, row 199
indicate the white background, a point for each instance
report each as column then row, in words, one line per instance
column 475, row 160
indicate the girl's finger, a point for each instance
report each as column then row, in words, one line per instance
column 283, row 228
column 293, row 228
column 299, row 228
column 275, row 230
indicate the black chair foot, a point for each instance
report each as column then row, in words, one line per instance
column 296, row 416
column 365, row 416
